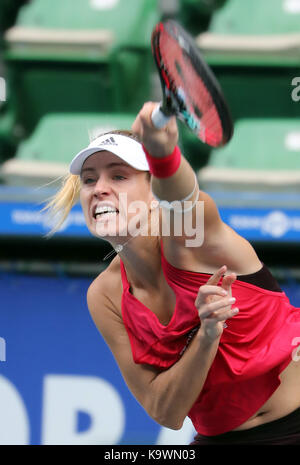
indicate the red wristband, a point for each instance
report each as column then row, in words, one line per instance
column 164, row 167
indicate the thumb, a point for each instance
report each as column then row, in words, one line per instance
column 137, row 128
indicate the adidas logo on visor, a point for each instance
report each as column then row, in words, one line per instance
column 110, row 141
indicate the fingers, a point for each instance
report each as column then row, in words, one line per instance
column 228, row 281
column 143, row 119
column 221, row 317
column 207, row 291
column 216, row 307
column 215, row 278
column 137, row 129
column 211, row 288
column 214, row 301
column 158, row 142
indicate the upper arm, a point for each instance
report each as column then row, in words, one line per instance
column 109, row 323
column 203, row 218
column 214, row 243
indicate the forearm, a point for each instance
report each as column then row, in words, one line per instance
column 159, row 145
column 176, row 389
column 178, row 186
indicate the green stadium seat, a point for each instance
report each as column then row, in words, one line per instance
column 66, row 56
column 258, row 31
column 264, row 154
column 46, row 154
column 253, row 48
column 8, row 136
column 258, row 17
column 127, row 20
column 258, row 91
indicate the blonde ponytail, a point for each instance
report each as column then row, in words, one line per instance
column 60, row 205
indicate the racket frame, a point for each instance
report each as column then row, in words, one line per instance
column 173, row 103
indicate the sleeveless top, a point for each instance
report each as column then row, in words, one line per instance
column 254, row 348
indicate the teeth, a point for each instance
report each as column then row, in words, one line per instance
column 105, row 209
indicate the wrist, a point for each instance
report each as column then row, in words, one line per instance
column 165, row 166
column 207, row 341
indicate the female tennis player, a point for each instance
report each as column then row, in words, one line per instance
column 202, row 331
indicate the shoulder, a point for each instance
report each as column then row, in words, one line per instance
column 104, row 293
column 104, row 297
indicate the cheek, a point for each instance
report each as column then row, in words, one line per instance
column 83, row 198
column 138, row 209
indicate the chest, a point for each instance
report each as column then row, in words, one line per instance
column 161, row 302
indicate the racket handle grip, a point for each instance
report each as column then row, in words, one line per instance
column 159, row 119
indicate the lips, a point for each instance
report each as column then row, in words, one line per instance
column 104, row 209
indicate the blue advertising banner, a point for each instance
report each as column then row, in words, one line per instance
column 264, row 224
column 27, row 219
column 255, row 224
column 256, row 216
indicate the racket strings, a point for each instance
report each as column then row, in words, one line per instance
column 186, row 82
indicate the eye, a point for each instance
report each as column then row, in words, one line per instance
column 118, row 177
column 88, row 180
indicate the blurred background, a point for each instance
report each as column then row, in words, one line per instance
column 69, row 70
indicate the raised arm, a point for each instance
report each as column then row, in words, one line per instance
column 160, row 143
column 220, row 243
column 168, row 395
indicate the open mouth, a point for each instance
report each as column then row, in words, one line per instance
column 105, row 213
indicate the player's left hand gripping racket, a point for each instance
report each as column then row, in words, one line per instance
column 190, row 89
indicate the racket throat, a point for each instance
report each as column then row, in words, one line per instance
column 170, row 106
column 180, row 107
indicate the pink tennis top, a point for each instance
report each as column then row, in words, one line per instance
column 254, row 349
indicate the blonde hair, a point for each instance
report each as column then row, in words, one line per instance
column 60, row 205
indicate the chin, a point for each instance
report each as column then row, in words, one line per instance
column 105, row 230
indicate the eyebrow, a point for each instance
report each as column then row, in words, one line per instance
column 110, row 165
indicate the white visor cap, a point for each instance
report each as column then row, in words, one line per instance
column 124, row 147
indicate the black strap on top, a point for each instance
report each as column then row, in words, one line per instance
column 262, row 278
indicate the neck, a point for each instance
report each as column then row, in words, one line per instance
column 141, row 253
column 141, row 258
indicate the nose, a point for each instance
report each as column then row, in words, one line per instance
column 102, row 186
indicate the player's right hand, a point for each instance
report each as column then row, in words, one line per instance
column 158, row 142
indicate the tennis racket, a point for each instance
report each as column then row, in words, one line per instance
column 190, row 90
